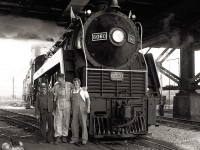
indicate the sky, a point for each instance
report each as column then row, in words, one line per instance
column 15, row 58
column 17, row 35
column 14, row 62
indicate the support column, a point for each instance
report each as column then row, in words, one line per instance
column 186, row 102
column 186, row 67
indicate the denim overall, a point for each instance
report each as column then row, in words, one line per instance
column 79, row 111
column 62, row 114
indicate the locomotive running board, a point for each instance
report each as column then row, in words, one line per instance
column 95, row 69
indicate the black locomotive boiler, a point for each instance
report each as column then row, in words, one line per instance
column 101, row 47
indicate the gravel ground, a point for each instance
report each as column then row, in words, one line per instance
column 185, row 139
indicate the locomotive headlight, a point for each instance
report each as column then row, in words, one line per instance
column 118, row 36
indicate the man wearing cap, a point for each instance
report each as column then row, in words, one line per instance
column 63, row 108
column 43, row 113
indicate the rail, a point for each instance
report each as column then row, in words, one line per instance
column 179, row 123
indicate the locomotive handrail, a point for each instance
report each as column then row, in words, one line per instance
column 146, row 76
column 142, row 70
column 83, row 46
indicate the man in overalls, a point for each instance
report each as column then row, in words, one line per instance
column 80, row 109
column 62, row 91
column 43, row 113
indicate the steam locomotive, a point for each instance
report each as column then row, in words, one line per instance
column 102, row 48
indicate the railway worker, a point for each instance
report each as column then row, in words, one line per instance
column 62, row 109
column 43, row 112
column 80, row 108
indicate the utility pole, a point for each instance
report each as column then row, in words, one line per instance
column 13, row 89
column 170, row 79
column 169, row 85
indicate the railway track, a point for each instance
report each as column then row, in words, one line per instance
column 117, row 145
column 154, row 143
column 138, row 143
column 102, row 144
column 28, row 122
column 179, row 123
column 11, row 114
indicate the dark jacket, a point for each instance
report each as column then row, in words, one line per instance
column 39, row 106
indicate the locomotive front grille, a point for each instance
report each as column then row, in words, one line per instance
column 100, row 83
column 106, row 127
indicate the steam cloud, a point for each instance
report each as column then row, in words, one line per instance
column 167, row 21
column 181, row 40
column 187, row 41
column 27, row 28
column 177, row 36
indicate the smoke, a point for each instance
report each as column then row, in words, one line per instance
column 177, row 35
column 181, row 40
column 187, row 41
column 2, row 35
column 167, row 21
column 26, row 28
column 175, row 38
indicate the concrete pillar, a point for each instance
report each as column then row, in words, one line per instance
column 186, row 103
column 187, row 66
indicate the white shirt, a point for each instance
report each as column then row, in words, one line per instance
column 67, row 93
column 84, row 94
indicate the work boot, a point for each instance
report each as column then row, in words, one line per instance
column 42, row 141
column 64, row 139
column 84, row 142
column 57, row 140
column 72, row 142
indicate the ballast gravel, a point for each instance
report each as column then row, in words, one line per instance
column 183, row 138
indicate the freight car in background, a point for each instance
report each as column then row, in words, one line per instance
column 101, row 47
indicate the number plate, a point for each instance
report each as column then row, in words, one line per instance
column 99, row 36
column 117, row 76
column 131, row 39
